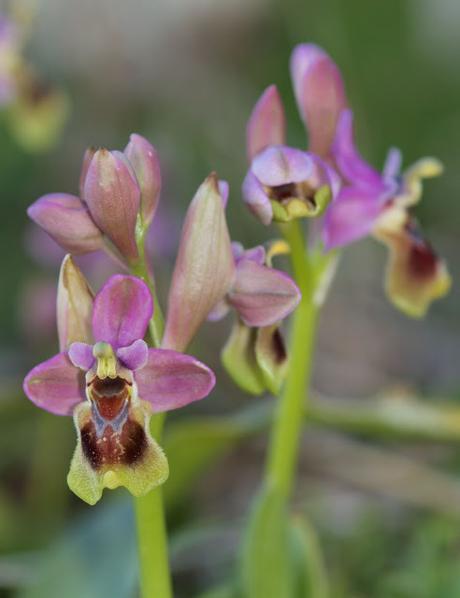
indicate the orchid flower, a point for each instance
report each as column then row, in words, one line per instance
column 119, row 194
column 108, row 378
column 379, row 204
column 262, row 297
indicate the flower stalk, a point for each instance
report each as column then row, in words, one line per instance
column 290, row 418
column 152, row 537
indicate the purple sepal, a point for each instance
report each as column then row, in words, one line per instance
column 171, row 380
column 351, row 165
column 257, row 199
column 67, row 220
column 267, row 123
column 281, row 165
column 320, row 94
column 122, row 310
column 351, row 217
column 55, row 385
column 262, row 296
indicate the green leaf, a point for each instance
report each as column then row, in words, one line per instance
column 266, row 570
column 310, row 573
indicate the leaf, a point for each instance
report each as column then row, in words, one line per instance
column 266, row 569
column 310, row 573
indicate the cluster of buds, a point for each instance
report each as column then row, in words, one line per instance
column 105, row 375
column 35, row 111
column 332, row 179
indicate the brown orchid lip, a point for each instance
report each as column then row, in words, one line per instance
column 126, row 447
column 423, row 260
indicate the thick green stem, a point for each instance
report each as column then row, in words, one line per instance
column 155, row 575
column 290, row 416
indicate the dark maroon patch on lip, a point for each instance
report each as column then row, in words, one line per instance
column 125, row 448
column 422, row 259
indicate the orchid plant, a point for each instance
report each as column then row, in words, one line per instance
column 121, row 367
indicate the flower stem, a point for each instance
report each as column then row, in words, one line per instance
column 155, row 575
column 290, row 417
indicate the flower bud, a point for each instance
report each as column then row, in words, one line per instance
column 113, row 197
column 144, row 160
column 74, row 305
column 87, row 157
column 66, row 219
column 204, row 269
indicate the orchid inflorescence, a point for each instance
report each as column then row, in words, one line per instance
column 109, row 378
column 105, row 374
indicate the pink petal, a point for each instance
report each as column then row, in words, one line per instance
column 257, row 199
column 351, row 217
column 135, row 356
column 267, row 123
column 55, row 385
column 320, row 94
column 66, row 219
column 81, row 355
column 281, row 165
column 144, row 160
column 113, row 197
column 122, row 310
column 261, row 295
column 171, row 380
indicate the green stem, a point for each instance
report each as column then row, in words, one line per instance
column 290, row 417
column 155, row 575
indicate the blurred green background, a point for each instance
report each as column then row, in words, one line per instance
column 186, row 75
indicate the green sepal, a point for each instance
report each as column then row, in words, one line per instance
column 239, row 359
